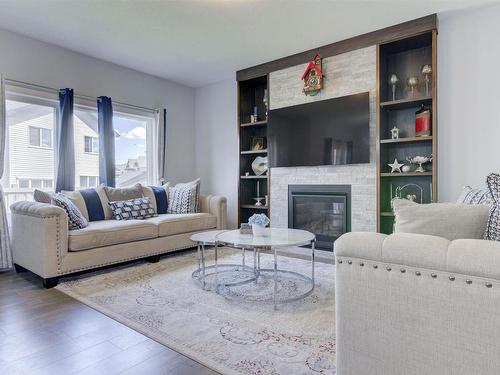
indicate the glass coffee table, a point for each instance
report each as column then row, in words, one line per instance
column 212, row 276
column 273, row 240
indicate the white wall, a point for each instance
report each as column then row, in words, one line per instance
column 468, row 99
column 217, row 143
column 33, row 61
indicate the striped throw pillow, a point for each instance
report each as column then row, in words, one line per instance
column 92, row 202
column 183, row 199
column 137, row 209
column 158, row 196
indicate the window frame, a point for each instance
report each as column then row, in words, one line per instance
column 92, row 139
column 149, row 119
column 40, row 137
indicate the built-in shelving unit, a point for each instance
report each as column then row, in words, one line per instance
column 404, row 57
column 250, row 95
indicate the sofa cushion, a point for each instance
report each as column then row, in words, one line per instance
column 158, row 196
column 92, row 203
column 449, row 220
column 111, row 232
column 170, row 224
column 124, row 193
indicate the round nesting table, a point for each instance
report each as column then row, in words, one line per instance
column 236, row 273
column 271, row 241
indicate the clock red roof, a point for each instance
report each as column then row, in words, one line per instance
column 312, row 65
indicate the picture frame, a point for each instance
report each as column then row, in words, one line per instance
column 257, row 143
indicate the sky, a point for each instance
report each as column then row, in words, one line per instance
column 132, row 140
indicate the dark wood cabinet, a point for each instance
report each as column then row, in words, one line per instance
column 405, row 58
column 251, row 95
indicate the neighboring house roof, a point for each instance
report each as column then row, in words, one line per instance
column 29, row 112
column 130, row 177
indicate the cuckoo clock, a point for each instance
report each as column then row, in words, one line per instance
column 313, row 77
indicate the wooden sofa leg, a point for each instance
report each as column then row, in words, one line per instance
column 154, row 259
column 50, row 282
column 19, row 268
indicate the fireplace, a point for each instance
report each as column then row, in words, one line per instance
column 324, row 210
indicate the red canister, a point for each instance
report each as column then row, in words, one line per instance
column 423, row 122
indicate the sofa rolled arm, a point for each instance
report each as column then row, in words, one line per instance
column 36, row 209
column 215, row 205
column 39, row 237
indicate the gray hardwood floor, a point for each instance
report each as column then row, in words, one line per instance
column 43, row 331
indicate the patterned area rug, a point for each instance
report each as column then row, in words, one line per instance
column 240, row 336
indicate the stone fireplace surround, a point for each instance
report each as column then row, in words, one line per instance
column 345, row 74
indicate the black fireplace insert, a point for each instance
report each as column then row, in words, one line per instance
column 324, row 210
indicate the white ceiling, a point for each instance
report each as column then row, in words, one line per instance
column 200, row 42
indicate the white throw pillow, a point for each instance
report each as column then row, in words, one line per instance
column 449, row 220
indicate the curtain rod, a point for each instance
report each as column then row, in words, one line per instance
column 80, row 96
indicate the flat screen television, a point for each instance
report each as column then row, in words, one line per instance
column 326, row 132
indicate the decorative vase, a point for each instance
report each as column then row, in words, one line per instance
column 258, row 230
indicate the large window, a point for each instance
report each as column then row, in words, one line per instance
column 131, row 149
column 29, row 157
column 86, row 147
column 30, row 147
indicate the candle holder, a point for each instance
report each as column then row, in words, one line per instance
column 393, row 81
column 412, row 83
column 426, row 72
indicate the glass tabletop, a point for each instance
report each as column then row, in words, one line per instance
column 272, row 237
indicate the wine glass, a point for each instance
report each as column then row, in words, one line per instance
column 393, row 81
column 426, row 72
column 412, row 83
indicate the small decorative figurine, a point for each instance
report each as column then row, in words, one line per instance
column 405, row 168
column 420, row 160
column 313, row 77
column 426, row 72
column 396, row 166
column 393, row 81
column 265, row 100
column 395, row 133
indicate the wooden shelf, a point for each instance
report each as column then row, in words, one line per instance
column 252, row 177
column 409, row 174
column 258, row 123
column 389, row 214
column 407, row 139
column 406, row 103
column 248, row 152
column 252, row 206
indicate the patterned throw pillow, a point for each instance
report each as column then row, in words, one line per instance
column 41, row 196
column 139, row 208
column 75, row 218
column 183, row 199
column 492, row 232
column 92, row 203
column 475, row 196
column 158, row 196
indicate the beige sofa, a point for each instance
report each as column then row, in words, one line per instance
column 417, row 304
column 42, row 243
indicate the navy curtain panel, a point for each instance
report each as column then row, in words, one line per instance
column 106, row 141
column 65, row 150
